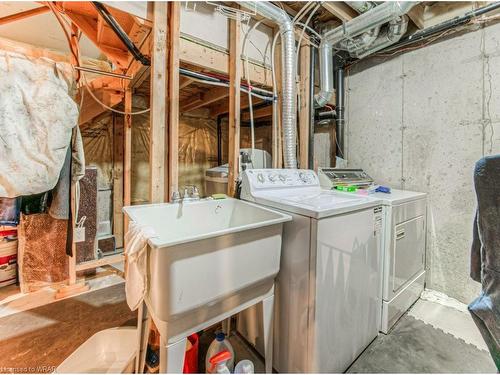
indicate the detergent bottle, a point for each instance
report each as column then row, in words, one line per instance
column 218, row 345
column 218, row 363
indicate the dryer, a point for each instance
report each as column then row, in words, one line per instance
column 328, row 291
column 404, row 241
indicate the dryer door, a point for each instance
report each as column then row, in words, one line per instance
column 408, row 252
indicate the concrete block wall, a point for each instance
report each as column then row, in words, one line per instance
column 420, row 121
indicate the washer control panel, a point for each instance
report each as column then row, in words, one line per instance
column 275, row 178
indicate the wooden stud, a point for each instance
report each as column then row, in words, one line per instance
column 205, row 99
column 127, row 157
column 21, row 15
column 234, row 103
column 118, row 156
column 159, row 81
column 173, row 123
column 305, row 105
column 184, row 82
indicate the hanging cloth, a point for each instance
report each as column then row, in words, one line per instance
column 485, row 253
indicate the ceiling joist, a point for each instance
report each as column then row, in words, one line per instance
column 21, row 15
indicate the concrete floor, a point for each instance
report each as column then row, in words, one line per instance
column 39, row 339
column 416, row 347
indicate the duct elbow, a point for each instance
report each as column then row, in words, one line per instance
column 322, row 98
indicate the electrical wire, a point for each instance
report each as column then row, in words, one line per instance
column 302, row 35
column 247, row 73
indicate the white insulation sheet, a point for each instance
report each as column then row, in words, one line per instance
column 37, row 115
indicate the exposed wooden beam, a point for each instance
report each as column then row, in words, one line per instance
column 173, row 85
column 184, row 82
column 193, row 100
column 89, row 27
column 127, row 155
column 258, row 113
column 234, row 103
column 118, row 157
column 22, row 15
column 416, row 14
column 91, row 108
column 305, row 105
column 222, row 107
column 159, row 89
column 340, row 10
column 204, row 99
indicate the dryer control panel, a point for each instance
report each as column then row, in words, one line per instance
column 331, row 177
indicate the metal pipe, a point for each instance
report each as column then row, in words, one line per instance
column 394, row 32
column 103, row 72
column 122, row 35
column 339, row 108
column 312, row 75
column 289, row 97
column 374, row 18
column 443, row 26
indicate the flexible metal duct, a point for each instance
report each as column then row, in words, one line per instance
column 289, row 105
column 392, row 34
column 374, row 18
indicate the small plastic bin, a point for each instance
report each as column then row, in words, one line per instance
column 110, row 351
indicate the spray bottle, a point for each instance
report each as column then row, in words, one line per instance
column 218, row 363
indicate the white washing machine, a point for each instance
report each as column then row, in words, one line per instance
column 404, row 245
column 329, row 286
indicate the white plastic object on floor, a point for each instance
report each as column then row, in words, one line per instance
column 219, row 344
column 244, row 367
column 110, row 351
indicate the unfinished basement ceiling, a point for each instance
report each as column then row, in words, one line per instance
column 41, row 30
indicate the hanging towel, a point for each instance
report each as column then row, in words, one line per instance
column 485, row 253
column 136, row 280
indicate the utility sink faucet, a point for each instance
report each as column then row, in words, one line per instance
column 191, row 193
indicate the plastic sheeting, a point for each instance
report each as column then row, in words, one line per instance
column 37, row 115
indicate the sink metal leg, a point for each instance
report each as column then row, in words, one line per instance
column 268, row 317
column 172, row 355
column 226, row 326
column 143, row 327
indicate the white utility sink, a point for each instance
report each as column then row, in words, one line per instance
column 207, row 251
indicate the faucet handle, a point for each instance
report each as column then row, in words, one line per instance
column 176, row 196
column 196, row 193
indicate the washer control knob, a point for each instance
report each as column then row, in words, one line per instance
column 282, row 177
column 260, row 178
column 303, row 177
column 272, row 177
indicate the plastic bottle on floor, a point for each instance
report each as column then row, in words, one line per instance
column 244, row 367
column 219, row 345
column 218, row 363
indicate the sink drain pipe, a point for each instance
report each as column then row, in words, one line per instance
column 289, row 96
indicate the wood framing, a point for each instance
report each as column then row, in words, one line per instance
column 127, row 156
column 158, row 102
column 305, row 105
column 204, row 99
column 173, row 123
column 234, row 103
column 118, row 157
column 340, row 10
column 21, row 15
